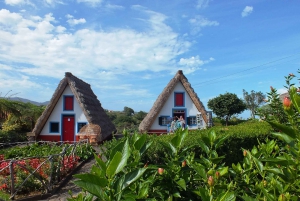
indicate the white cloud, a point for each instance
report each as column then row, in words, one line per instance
column 49, row 1
column 198, row 22
column 52, row 49
column 74, row 22
column 90, row 2
column 53, row 2
column 14, row 2
column 5, row 67
column 127, row 90
column 193, row 63
column 69, row 16
column 247, row 11
column 60, row 29
column 9, row 19
column 11, row 79
column 202, row 3
column 113, row 7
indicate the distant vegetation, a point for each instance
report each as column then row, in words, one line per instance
column 17, row 118
column 126, row 119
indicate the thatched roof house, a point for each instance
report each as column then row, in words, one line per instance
column 177, row 99
column 72, row 106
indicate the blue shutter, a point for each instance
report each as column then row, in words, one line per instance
column 160, row 120
column 188, row 121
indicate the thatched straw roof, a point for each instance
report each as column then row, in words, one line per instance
column 162, row 98
column 86, row 99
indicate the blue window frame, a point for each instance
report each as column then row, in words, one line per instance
column 80, row 125
column 54, row 127
column 164, row 120
column 192, row 120
column 179, row 99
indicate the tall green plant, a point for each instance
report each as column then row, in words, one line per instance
column 271, row 171
column 273, row 110
column 116, row 178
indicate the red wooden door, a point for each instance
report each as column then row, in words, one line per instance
column 68, row 128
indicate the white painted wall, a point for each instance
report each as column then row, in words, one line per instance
column 168, row 107
column 56, row 115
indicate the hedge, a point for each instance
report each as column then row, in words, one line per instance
column 244, row 135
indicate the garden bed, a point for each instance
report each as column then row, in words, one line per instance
column 48, row 165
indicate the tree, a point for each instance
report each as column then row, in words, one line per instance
column 30, row 113
column 140, row 115
column 226, row 105
column 26, row 119
column 273, row 110
column 9, row 107
column 128, row 111
column 253, row 100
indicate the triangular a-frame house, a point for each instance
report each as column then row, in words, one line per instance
column 72, row 107
column 177, row 99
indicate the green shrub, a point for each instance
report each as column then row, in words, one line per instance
column 246, row 135
column 12, row 136
column 84, row 151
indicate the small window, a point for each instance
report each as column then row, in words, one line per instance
column 54, row 127
column 164, row 120
column 192, row 120
column 68, row 103
column 179, row 99
column 80, row 125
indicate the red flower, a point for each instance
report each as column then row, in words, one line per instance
column 3, row 186
column 183, row 164
column 245, row 153
column 217, row 175
column 272, row 89
column 160, row 171
column 292, row 75
column 287, row 102
column 210, row 181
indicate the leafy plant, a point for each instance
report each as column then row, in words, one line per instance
column 111, row 180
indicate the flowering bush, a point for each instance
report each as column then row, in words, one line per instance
column 45, row 170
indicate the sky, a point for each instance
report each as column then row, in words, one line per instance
column 128, row 51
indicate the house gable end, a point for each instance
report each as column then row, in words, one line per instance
column 162, row 98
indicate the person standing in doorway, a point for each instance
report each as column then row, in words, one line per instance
column 182, row 122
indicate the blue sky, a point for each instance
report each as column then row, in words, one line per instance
column 129, row 50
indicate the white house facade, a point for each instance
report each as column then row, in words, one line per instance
column 67, row 116
column 178, row 99
column 73, row 106
column 178, row 104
